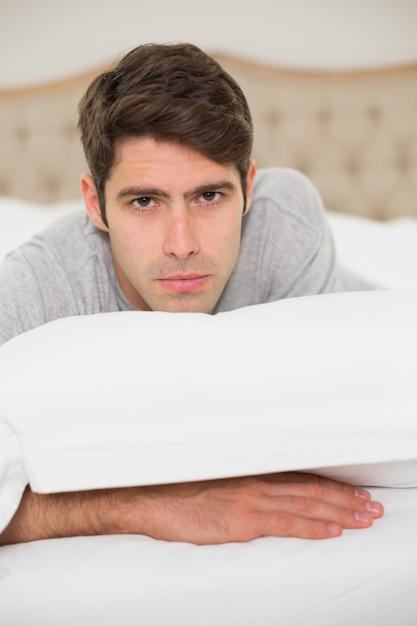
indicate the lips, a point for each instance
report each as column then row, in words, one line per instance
column 182, row 283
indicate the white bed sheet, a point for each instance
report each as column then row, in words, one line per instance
column 363, row 577
column 382, row 254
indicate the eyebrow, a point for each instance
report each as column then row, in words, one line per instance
column 140, row 192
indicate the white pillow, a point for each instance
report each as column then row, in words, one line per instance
column 324, row 383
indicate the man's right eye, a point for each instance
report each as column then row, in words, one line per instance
column 143, row 202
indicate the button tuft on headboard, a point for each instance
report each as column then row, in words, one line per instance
column 352, row 167
column 22, row 134
column 324, row 116
column 374, row 113
column 273, row 117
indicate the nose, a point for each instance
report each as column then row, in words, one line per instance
column 180, row 239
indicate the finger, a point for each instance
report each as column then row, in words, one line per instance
column 309, row 508
column 289, row 525
column 313, row 490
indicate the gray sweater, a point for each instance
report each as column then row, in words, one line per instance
column 286, row 250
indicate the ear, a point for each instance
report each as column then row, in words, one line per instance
column 249, row 185
column 92, row 205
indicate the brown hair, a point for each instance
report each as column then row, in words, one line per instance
column 168, row 92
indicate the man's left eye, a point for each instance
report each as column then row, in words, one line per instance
column 210, row 196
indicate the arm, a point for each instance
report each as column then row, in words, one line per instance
column 31, row 293
column 210, row 512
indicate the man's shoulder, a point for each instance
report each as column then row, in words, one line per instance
column 286, row 247
column 70, row 240
column 62, row 271
column 284, row 192
column 269, row 180
column 70, row 247
column 68, row 228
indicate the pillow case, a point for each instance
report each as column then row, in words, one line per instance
column 321, row 383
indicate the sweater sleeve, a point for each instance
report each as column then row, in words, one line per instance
column 32, row 292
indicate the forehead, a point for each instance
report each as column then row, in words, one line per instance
column 146, row 158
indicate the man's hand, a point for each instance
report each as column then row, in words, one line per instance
column 241, row 509
column 207, row 512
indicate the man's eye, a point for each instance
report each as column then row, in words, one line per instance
column 144, row 202
column 210, row 196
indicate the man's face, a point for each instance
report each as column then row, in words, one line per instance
column 174, row 222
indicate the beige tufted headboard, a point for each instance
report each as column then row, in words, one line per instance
column 353, row 133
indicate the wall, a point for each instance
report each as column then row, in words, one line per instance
column 44, row 39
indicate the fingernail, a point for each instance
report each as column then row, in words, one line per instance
column 362, row 493
column 374, row 507
column 362, row 518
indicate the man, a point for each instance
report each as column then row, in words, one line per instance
column 177, row 220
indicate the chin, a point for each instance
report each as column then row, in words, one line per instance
column 187, row 303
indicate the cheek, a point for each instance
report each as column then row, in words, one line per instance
column 128, row 238
column 225, row 247
column 230, row 235
column 128, row 251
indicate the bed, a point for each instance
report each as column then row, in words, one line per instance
column 355, row 135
